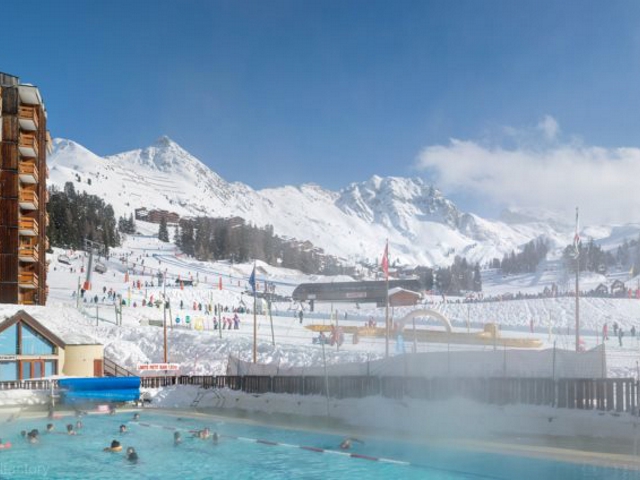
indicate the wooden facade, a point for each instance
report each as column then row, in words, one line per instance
column 24, row 142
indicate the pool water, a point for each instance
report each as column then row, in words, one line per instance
column 239, row 456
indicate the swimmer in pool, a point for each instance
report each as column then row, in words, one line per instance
column 79, row 425
column 70, row 430
column 33, row 436
column 215, row 437
column 115, row 447
column 132, row 455
column 177, row 438
column 136, row 416
column 123, row 428
column 347, row 443
column 50, row 427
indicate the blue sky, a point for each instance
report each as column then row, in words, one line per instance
column 287, row 92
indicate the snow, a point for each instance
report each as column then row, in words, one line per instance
column 140, row 338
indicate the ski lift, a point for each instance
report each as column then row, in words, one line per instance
column 100, row 268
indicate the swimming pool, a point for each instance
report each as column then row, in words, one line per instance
column 252, row 451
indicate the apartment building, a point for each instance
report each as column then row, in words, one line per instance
column 24, row 144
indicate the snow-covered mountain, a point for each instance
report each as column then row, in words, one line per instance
column 423, row 227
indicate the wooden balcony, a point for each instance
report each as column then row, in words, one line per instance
column 28, row 280
column 28, row 200
column 28, row 227
column 28, row 253
column 28, row 171
column 28, row 117
column 28, row 144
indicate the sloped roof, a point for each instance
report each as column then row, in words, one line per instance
column 24, row 317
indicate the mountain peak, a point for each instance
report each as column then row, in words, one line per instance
column 164, row 142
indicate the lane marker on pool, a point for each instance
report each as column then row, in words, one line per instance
column 270, row 443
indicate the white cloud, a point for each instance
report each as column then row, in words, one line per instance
column 601, row 181
column 549, row 127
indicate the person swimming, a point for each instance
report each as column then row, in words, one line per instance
column 33, row 436
column 123, row 428
column 132, row 455
column 79, row 425
column 50, row 427
column 136, row 416
column 215, row 437
column 347, row 443
column 177, row 438
column 115, row 447
column 70, row 430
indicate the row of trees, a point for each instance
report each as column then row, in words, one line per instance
column 75, row 217
column 231, row 238
column 525, row 261
column 460, row 277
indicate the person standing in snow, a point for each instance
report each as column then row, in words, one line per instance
column 300, row 316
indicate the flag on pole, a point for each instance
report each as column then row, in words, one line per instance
column 385, row 261
column 252, row 279
column 576, row 237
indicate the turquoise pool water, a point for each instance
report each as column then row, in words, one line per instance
column 238, row 456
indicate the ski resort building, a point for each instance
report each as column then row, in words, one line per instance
column 24, row 143
column 29, row 350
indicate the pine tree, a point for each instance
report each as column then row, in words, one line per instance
column 163, row 233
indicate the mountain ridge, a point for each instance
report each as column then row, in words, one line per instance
column 421, row 224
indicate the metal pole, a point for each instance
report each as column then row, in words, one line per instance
column 386, row 320
column 164, row 314
column 577, row 303
column 255, row 319
column 273, row 337
column 326, row 378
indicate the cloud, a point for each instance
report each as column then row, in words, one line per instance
column 559, row 177
column 549, row 127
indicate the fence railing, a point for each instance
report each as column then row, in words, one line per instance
column 29, row 385
column 112, row 369
column 617, row 394
column 610, row 394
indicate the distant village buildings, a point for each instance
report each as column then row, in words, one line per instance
column 156, row 216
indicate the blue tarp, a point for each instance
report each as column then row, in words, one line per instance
column 103, row 389
column 125, row 395
column 99, row 383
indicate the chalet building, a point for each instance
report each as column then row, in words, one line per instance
column 156, row 216
column 400, row 297
column 29, row 350
column 24, row 144
column 618, row 289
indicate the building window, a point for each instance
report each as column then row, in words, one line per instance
column 8, row 371
column 34, row 344
column 9, row 340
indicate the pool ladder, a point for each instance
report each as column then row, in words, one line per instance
column 202, row 392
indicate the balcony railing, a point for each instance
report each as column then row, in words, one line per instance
column 28, row 117
column 28, row 280
column 28, row 144
column 28, row 171
column 28, row 200
column 28, row 253
column 28, row 227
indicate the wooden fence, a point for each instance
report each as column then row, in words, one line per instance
column 616, row 394
column 604, row 394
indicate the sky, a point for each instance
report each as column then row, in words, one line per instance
column 498, row 103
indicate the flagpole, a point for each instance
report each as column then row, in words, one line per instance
column 386, row 315
column 576, row 240
column 255, row 321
